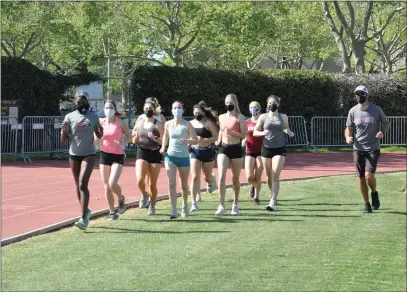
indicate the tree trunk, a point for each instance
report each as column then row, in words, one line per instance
column 359, row 52
column 126, row 69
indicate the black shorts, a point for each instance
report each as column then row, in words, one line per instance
column 110, row 158
column 203, row 154
column 254, row 155
column 271, row 152
column 366, row 161
column 150, row 155
column 232, row 151
column 79, row 157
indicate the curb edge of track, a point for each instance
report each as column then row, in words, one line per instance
column 99, row 213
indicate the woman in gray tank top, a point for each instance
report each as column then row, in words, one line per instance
column 178, row 133
column 274, row 127
column 147, row 134
column 80, row 126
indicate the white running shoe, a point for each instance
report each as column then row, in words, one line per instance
column 174, row 214
column 194, row 207
column 221, row 210
column 235, row 210
column 151, row 211
column 143, row 202
column 184, row 211
column 210, row 188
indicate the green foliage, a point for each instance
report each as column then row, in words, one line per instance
column 389, row 92
column 40, row 90
column 304, row 93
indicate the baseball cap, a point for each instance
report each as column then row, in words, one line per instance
column 361, row 88
column 82, row 93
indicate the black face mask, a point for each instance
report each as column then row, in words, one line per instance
column 199, row 117
column 83, row 108
column 149, row 113
column 273, row 107
column 361, row 98
column 230, row 107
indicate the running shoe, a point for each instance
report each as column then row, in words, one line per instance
column 210, row 188
column 256, row 202
column 143, row 202
column 235, row 210
column 184, row 211
column 221, row 210
column 151, row 211
column 251, row 193
column 375, row 200
column 112, row 216
column 174, row 214
column 194, row 207
column 148, row 203
column 272, row 205
column 81, row 224
column 122, row 206
column 368, row 208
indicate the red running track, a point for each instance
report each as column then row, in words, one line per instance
column 39, row 194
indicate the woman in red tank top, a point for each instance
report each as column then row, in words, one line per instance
column 253, row 162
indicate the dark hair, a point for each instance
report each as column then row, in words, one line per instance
column 278, row 99
column 208, row 112
column 117, row 113
column 177, row 101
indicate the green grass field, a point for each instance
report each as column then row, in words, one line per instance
column 318, row 240
column 133, row 154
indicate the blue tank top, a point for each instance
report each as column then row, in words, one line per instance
column 276, row 138
column 176, row 132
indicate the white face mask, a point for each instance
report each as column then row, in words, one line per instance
column 177, row 112
column 109, row 112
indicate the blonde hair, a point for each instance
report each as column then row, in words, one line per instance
column 235, row 102
column 255, row 103
column 156, row 103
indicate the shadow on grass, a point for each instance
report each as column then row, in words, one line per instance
column 219, row 219
column 325, row 204
column 395, row 212
column 127, row 230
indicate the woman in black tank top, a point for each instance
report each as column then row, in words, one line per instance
column 203, row 155
column 147, row 134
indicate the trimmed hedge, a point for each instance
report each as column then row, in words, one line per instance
column 305, row 93
column 41, row 91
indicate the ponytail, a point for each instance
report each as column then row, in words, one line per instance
column 208, row 112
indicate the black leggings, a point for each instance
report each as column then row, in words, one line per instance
column 82, row 169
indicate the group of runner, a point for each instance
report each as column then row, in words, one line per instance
column 187, row 149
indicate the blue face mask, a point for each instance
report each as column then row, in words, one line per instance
column 177, row 112
column 254, row 111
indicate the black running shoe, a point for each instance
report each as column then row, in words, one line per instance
column 256, row 202
column 375, row 201
column 368, row 208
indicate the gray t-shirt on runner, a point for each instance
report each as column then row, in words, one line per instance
column 81, row 128
column 367, row 124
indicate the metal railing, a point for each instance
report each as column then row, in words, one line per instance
column 299, row 126
column 9, row 137
column 41, row 135
column 329, row 132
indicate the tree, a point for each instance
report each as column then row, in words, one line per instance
column 355, row 29
column 389, row 44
